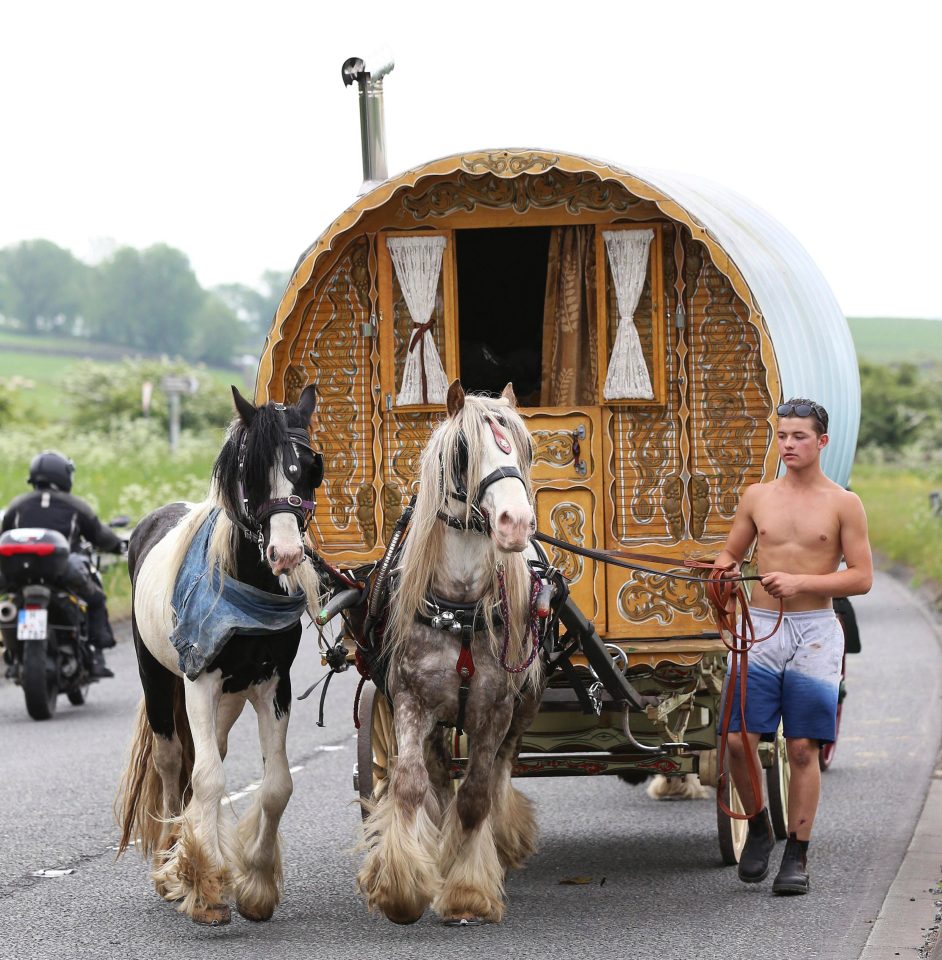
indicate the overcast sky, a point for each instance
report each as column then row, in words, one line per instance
column 224, row 129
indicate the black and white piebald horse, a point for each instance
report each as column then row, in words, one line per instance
column 223, row 632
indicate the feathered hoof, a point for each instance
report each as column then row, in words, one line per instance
column 213, row 915
column 403, row 917
column 254, row 914
column 461, row 902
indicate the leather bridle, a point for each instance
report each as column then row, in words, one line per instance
column 250, row 522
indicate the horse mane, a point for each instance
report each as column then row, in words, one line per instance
column 260, row 446
column 441, row 463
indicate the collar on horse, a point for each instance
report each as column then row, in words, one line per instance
column 251, row 523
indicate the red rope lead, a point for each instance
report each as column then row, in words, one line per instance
column 725, row 594
column 531, row 628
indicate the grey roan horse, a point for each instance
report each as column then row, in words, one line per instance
column 427, row 844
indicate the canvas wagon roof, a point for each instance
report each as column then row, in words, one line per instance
column 767, row 266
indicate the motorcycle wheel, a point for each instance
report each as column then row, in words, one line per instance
column 39, row 683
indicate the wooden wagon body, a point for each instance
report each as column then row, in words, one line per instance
column 733, row 317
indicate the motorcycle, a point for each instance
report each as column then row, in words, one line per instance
column 43, row 621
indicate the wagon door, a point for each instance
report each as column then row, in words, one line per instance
column 567, row 477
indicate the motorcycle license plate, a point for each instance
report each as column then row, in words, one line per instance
column 32, row 624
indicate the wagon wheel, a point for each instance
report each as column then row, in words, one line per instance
column 730, row 832
column 376, row 745
column 777, row 778
column 826, row 753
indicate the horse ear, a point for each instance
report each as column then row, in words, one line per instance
column 508, row 394
column 455, row 400
column 307, row 403
column 244, row 409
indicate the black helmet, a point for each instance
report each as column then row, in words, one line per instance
column 51, row 469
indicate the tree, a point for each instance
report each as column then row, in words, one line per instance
column 146, row 299
column 43, row 286
column 256, row 307
column 899, row 404
column 217, row 334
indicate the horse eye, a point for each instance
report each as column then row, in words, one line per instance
column 500, row 419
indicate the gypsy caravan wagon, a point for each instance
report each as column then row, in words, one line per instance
column 650, row 324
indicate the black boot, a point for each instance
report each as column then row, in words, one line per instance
column 793, row 874
column 98, row 666
column 754, row 859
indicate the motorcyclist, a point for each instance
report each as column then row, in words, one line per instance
column 51, row 505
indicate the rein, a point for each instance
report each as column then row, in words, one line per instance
column 725, row 595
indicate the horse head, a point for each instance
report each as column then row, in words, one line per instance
column 267, row 474
column 490, row 460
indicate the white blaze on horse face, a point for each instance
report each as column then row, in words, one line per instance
column 506, row 503
column 285, row 548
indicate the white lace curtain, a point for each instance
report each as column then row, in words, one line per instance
column 628, row 377
column 418, row 262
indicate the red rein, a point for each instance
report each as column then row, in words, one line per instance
column 725, row 594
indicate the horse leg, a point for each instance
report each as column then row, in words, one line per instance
column 150, row 796
column 196, row 870
column 399, row 876
column 473, row 887
column 259, row 879
column 438, row 764
column 514, row 822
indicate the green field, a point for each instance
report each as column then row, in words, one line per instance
column 38, row 371
column 896, row 340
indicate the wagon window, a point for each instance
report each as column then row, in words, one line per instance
column 631, row 322
column 399, row 334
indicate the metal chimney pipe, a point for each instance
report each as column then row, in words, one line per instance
column 372, row 117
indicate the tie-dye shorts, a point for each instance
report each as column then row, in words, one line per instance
column 794, row 676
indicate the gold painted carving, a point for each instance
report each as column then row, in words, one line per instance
column 660, row 597
column 295, row 379
column 364, row 514
column 504, row 163
column 392, row 509
column 699, row 505
column 568, row 523
column 553, row 447
column 673, row 506
column 575, row 191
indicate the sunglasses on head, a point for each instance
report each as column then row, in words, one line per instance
column 801, row 410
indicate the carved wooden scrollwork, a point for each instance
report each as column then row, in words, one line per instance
column 553, row 447
column 467, row 191
column 568, row 523
column 674, row 506
column 365, row 514
column 392, row 509
column 504, row 163
column 295, row 381
column 660, row 597
column 699, row 505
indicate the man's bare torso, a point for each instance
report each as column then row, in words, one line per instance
column 798, row 529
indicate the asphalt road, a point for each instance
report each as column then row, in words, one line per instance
column 657, row 888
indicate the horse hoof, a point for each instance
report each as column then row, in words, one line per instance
column 469, row 921
column 403, row 918
column 256, row 916
column 215, row 915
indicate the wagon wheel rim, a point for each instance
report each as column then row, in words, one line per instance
column 777, row 779
column 731, row 832
column 383, row 743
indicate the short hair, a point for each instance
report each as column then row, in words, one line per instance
column 818, row 414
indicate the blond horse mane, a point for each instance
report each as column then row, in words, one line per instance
column 424, row 546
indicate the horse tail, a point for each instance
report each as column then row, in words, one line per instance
column 139, row 802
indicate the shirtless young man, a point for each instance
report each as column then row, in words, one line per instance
column 803, row 525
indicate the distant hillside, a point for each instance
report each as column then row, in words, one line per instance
column 897, row 340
